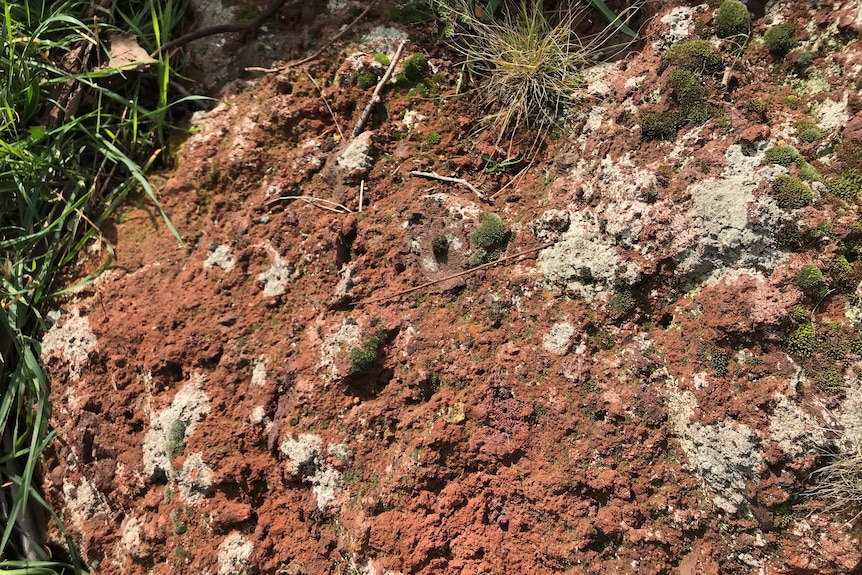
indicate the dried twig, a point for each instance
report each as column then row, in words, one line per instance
column 375, row 97
column 462, row 181
column 316, row 202
column 322, row 97
column 361, row 194
column 457, row 275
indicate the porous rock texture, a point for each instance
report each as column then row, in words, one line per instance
column 619, row 399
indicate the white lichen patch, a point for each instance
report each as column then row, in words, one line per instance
column 220, row 256
column 728, row 456
column 585, row 260
column 195, row 479
column 306, row 460
column 278, row 276
column 357, row 155
column 72, row 339
column 833, row 115
column 727, row 226
column 794, row 430
column 849, row 418
column 190, row 406
column 233, row 554
column 383, row 39
column 412, row 119
column 347, row 337
column 558, row 339
column 131, row 542
column 258, row 372
column 679, row 21
column 725, row 456
column 83, row 501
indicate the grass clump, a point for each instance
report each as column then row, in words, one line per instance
column 782, row 155
column 791, row 193
column 698, row 56
column 362, row 358
column 779, row 39
column 66, row 163
column 839, row 484
column 847, row 187
column 525, row 64
column 491, row 232
column 733, row 19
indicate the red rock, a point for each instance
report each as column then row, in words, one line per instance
column 755, row 133
column 852, row 135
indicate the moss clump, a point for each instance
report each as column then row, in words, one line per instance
column 432, row 139
column 603, row 339
column 779, row 39
column 802, row 341
column 810, row 134
column 733, row 19
column 782, row 155
column 381, row 58
column 846, row 187
column 481, row 257
column 830, row 380
column 791, row 193
column 841, row 268
column 179, row 526
column 363, row 358
column 440, row 246
column 415, row 67
column 623, row 301
column 809, row 278
column 176, row 443
column 366, row 80
column 808, row 173
column 697, row 56
column 661, row 126
column 799, row 315
column 758, row 108
column 687, row 89
column 491, row 232
column 716, row 358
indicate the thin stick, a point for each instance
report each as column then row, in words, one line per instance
column 462, row 181
column 316, row 202
column 375, row 97
column 459, row 274
column 322, row 97
column 361, row 194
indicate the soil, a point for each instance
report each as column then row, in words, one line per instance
column 270, row 398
